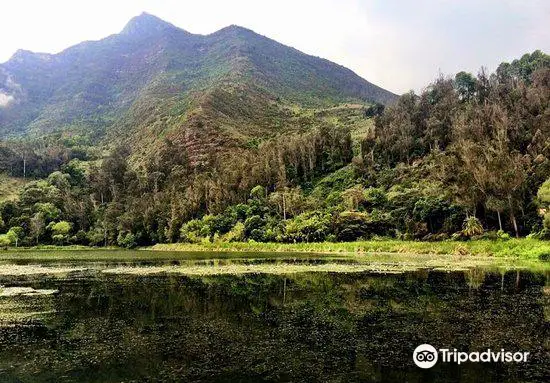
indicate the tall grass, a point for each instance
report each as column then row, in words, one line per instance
column 524, row 248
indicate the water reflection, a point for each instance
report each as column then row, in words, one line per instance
column 321, row 327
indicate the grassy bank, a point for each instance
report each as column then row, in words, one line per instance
column 522, row 248
column 514, row 248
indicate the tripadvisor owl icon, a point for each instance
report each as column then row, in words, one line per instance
column 425, row 356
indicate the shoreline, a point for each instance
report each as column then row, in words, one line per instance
column 522, row 248
column 513, row 248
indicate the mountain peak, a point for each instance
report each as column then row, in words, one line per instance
column 25, row 55
column 152, row 63
column 146, row 25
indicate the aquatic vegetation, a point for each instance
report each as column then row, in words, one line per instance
column 25, row 291
column 11, row 269
column 278, row 269
column 322, row 326
column 514, row 248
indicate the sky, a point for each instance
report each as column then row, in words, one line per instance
column 398, row 45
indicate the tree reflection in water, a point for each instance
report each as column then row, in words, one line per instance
column 322, row 327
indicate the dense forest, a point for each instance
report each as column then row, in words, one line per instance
column 467, row 158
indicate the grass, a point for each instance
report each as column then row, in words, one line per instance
column 9, row 187
column 514, row 248
column 448, row 255
column 61, row 263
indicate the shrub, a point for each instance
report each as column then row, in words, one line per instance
column 253, row 223
column 502, row 235
column 472, row 227
column 236, row 234
column 127, row 240
column 313, row 226
column 222, row 223
column 374, row 198
column 350, row 225
column 258, row 192
column 194, row 231
column 96, row 236
column 257, row 235
column 4, row 240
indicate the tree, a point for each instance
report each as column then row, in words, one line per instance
column 312, row 226
column 465, row 85
column 472, row 227
column 5, row 241
column 543, row 197
column 14, row 235
column 353, row 197
column 37, row 226
column 60, row 231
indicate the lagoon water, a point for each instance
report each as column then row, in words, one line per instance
column 266, row 318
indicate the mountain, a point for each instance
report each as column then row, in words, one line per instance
column 154, row 79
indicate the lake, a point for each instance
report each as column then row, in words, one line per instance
column 165, row 317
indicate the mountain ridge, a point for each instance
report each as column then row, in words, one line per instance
column 154, row 79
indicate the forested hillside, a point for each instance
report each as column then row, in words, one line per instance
column 154, row 83
column 465, row 158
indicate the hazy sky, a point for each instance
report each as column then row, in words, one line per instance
column 399, row 45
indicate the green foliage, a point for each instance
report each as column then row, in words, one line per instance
column 374, row 198
column 47, row 210
column 127, row 240
column 466, row 85
column 195, row 230
column 351, row 226
column 503, row 236
column 12, row 237
column 60, row 228
column 523, row 68
column 96, row 236
column 472, row 227
column 236, row 234
column 60, row 231
column 543, row 194
column 257, row 192
column 254, row 228
column 313, row 226
column 543, row 199
column 463, row 147
column 5, row 241
column 512, row 250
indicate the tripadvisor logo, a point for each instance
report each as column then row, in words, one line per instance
column 426, row 356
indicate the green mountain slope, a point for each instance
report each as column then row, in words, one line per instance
column 154, row 79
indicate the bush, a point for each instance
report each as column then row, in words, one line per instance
column 80, row 238
column 472, row 227
column 374, row 198
column 194, row 231
column 503, row 236
column 546, row 220
column 313, row 226
column 5, row 241
column 241, row 211
column 257, row 235
column 350, row 225
column 96, row 236
column 236, row 234
column 253, row 223
column 222, row 223
column 494, row 235
column 127, row 240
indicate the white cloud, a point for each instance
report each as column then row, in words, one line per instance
column 5, row 99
